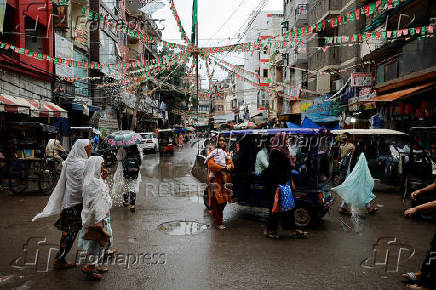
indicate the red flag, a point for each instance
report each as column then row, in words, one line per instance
column 389, row 4
column 339, row 20
column 366, row 8
column 357, row 13
column 332, row 22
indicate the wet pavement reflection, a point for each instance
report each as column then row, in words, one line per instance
column 182, row 228
column 171, row 220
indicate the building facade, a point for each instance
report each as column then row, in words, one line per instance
column 262, row 26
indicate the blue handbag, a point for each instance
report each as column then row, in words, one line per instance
column 287, row 201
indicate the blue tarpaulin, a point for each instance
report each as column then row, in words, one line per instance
column 292, row 125
column 308, row 123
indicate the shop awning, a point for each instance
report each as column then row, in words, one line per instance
column 399, row 94
column 32, row 107
column 80, row 107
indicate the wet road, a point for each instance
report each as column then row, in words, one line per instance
column 167, row 251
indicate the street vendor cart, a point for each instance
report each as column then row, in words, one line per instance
column 28, row 167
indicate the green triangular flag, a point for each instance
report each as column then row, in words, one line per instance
column 412, row 31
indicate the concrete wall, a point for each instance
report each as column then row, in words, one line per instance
column 24, row 86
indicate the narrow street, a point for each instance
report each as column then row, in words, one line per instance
column 172, row 228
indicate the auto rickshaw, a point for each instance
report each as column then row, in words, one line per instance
column 166, row 142
column 383, row 150
column 312, row 195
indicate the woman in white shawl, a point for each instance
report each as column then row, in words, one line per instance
column 66, row 199
column 96, row 205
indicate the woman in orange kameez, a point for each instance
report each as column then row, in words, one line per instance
column 221, row 194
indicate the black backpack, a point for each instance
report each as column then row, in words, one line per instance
column 131, row 165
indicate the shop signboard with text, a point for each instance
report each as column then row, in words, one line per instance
column 361, row 79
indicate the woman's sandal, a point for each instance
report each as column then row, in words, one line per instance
column 59, row 265
column 298, row 234
column 416, row 287
column 93, row 274
column 270, row 235
column 373, row 210
column 102, row 269
column 410, row 276
column 344, row 211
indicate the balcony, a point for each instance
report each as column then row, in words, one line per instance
column 298, row 55
column 134, row 54
column 320, row 9
column 320, row 59
column 300, row 15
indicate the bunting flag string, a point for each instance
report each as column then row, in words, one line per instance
column 179, row 24
column 241, row 69
column 139, row 78
column 160, row 61
column 340, row 20
column 114, row 25
column 382, row 35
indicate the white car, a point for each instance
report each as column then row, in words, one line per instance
column 149, row 143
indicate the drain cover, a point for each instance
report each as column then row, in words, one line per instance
column 182, row 228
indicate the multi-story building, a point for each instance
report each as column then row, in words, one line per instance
column 27, row 32
column 78, row 32
column 262, row 26
column 336, row 57
column 294, row 58
column 403, row 69
column 224, row 101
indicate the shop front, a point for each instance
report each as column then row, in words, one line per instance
column 407, row 103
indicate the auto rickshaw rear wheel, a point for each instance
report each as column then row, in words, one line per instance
column 302, row 216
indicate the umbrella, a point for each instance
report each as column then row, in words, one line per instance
column 247, row 125
column 123, row 138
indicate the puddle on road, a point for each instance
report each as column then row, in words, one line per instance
column 182, row 228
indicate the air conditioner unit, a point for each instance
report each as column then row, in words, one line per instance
column 433, row 21
column 338, row 85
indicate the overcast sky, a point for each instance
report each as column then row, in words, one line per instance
column 215, row 27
